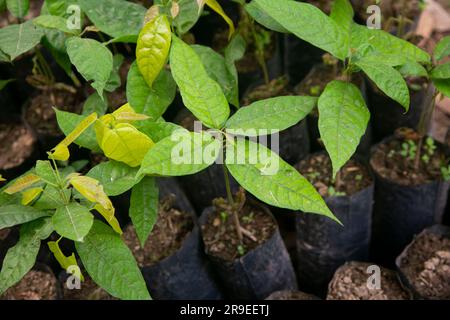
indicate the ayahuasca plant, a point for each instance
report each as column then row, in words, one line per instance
column 384, row 58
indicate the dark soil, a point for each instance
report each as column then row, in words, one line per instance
column 219, row 231
column 291, row 295
column 389, row 8
column 89, row 290
column 427, row 266
column 350, row 283
column 275, row 88
column 354, row 177
column 41, row 116
column 17, row 144
column 388, row 161
column 316, row 81
column 166, row 238
column 36, row 285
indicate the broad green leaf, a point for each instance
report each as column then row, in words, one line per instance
column 442, row 49
column 189, row 13
column 308, row 23
column 12, row 215
column 214, row 5
column 115, row 177
column 342, row 13
column 153, row 48
column 19, row 38
column 22, row 183
column 114, row 81
column 92, row 59
column 111, row 264
column 3, row 83
column 64, row 262
column 183, row 153
column 55, row 42
column 443, row 85
column 69, row 121
column 30, row 195
column 18, row 8
column 386, row 43
column 388, row 80
column 73, row 221
column 150, row 101
column 54, row 22
column 263, row 18
column 123, row 143
column 441, row 71
column 116, row 18
column 201, row 94
column 58, row 7
column 96, row 104
column 271, row 115
column 45, row 171
column 343, row 120
column 218, row 70
column 51, row 198
column 413, row 69
column 22, row 257
column 235, row 50
column 269, row 178
column 144, row 207
column 159, row 130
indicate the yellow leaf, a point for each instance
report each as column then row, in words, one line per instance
column 92, row 190
column 123, row 143
column 29, row 195
column 126, row 114
column 213, row 4
column 64, row 262
column 151, row 13
column 2, row 179
column 22, row 183
column 60, row 152
column 110, row 217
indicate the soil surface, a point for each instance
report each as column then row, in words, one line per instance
column 291, row 295
column 89, row 290
column 41, row 116
column 166, row 238
column 219, row 231
column 391, row 162
column 350, row 283
column 427, row 266
column 354, row 177
column 36, row 285
column 275, row 88
column 17, row 144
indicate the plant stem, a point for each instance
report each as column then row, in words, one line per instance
column 234, row 214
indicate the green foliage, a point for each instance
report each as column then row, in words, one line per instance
column 18, row 8
column 17, row 39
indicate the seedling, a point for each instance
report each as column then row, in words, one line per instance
column 248, row 218
column 333, row 193
column 409, row 149
column 445, row 173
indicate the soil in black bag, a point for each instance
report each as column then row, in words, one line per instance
column 426, row 266
column 291, row 295
column 36, row 285
column 167, row 237
column 350, row 282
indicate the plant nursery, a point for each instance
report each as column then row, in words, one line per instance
column 233, row 150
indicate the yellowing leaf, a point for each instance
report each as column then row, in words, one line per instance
column 110, row 217
column 151, row 13
column 64, row 262
column 123, row 143
column 213, row 4
column 126, row 113
column 29, row 195
column 22, row 183
column 92, row 190
column 2, row 179
column 60, row 152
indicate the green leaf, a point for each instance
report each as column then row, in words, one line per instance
column 201, row 94
column 111, row 264
column 188, row 15
column 441, row 71
column 114, row 80
column 18, row 8
column 388, row 80
column 443, row 85
column 144, row 207
column 270, row 179
column 73, row 221
column 51, row 198
column 413, row 69
column 19, row 38
column 235, row 50
column 96, row 104
column 308, row 23
column 159, row 130
column 69, row 121
column 342, row 13
column 263, row 18
column 153, row 48
column 45, row 171
column 150, row 101
column 92, row 59
column 12, row 215
column 55, row 42
column 21, row 258
column 275, row 114
column 343, row 120
column 3, row 83
column 183, row 153
column 218, row 70
column 58, row 7
column 115, row 177
column 54, row 22
column 386, row 43
column 442, row 49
